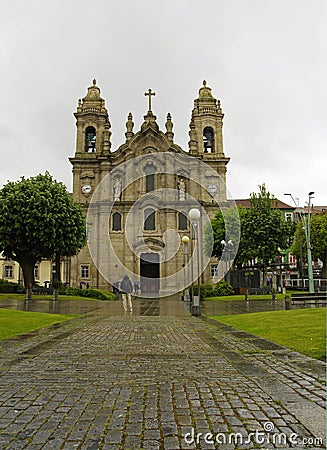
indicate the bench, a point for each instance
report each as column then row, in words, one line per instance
column 316, row 299
column 42, row 290
column 260, row 291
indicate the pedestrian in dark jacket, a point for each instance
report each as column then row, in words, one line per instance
column 115, row 289
column 126, row 288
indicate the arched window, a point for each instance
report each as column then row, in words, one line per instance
column 208, row 140
column 149, row 219
column 182, row 221
column 149, row 182
column 90, row 139
column 116, row 221
column 149, row 177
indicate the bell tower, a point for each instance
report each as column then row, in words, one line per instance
column 93, row 126
column 206, row 133
column 206, row 136
column 92, row 144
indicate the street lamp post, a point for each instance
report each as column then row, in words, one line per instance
column 186, row 293
column 194, row 215
column 307, row 231
column 227, row 247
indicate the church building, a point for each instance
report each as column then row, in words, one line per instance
column 137, row 197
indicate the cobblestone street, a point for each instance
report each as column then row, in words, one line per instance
column 150, row 381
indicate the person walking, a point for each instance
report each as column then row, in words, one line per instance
column 126, row 288
column 115, row 289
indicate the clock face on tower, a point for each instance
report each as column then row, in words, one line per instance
column 86, row 189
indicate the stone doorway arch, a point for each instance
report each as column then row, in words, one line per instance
column 150, row 273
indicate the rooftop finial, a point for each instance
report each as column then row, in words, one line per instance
column 94, row 81
column 129, row 126
column 169, row 127
column 204, row 83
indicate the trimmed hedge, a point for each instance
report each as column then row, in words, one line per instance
column 219, row 289
column 88, row 293
column 6, row 287
column 222, row 288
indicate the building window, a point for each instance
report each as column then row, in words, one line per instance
column 90, row 139
column 116, row 221
column 85, row 271
column 182, row 221
column 292, row 259
column 149, row 183
column 208, row 140
column 149, row 177
column 9, row 272
column 36, row 272
column 214, row 270
column 149, row 219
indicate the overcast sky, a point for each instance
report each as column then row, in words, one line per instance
column 265, row 60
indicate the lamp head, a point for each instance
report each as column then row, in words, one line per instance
column 194, row 214
column 185, row 239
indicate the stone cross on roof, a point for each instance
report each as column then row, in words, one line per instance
column 149, row 94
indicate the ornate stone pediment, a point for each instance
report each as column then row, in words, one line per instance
column 152, row 243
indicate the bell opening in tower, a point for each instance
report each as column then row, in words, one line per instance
column 90, row 139
column 208, row 140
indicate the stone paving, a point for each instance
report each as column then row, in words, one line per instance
column 156, row 382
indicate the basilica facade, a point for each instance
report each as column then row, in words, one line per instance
column 137, row 197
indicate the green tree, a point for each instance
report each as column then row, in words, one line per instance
column 298, row 247
column 39, row 219
column 318, row 240
column 224, row 227
column 264, row 228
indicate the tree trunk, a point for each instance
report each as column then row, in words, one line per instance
column 56, row 278
column 28, row 274
column 324, row 268
column 264, row 273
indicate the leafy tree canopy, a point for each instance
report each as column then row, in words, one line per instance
column 263, row 230
column 226, row 227
column 318, row 240
column 39, row 219
column 319, row 236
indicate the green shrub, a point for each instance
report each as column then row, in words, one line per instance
column 96, row 293
column 202, row 291
column 206, row 290
column 88, row 293
column 222, row 288
column 6, row 287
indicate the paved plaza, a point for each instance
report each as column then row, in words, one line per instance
column 157, row 379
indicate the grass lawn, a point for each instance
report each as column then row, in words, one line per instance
column 227, row 298
column 251, row 297
column 302, row 330
column 14, row 322
column 43, row 297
